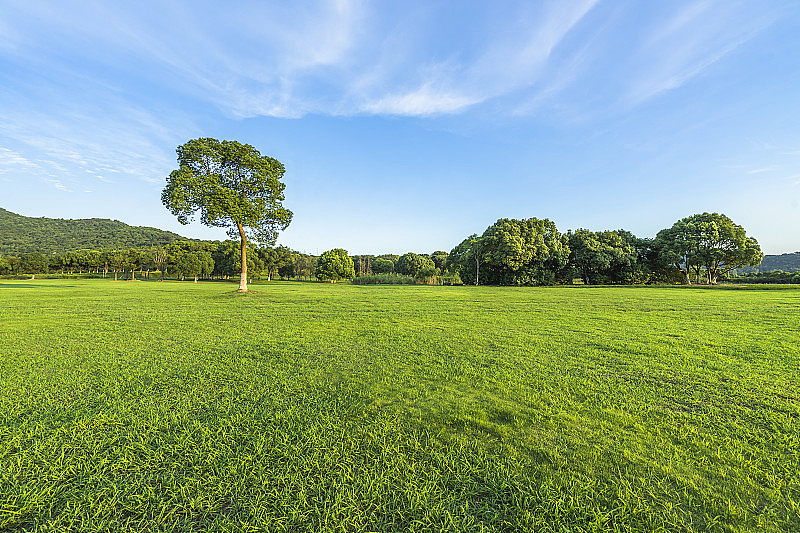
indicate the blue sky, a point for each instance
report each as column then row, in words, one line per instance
column 406, row 126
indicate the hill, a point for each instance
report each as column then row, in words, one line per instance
column 785, row 262
column 20, row 234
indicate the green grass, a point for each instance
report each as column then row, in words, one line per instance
column 188, row 407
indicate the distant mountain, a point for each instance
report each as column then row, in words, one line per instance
column 785, row 262
column 20, row 234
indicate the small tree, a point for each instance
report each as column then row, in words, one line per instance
column 198, row 263
column 335, row 265
column 233, row 186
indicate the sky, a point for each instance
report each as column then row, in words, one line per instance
column 408, row 126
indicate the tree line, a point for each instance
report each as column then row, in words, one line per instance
column 702, row 248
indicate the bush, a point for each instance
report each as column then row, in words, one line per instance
column 384, row 279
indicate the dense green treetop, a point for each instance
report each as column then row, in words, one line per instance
column 231, row 185
column 707, row 242
column 335, row 265
column 411, row 264
column 600, row 256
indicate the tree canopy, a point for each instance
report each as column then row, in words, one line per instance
column 512, row 252
column 707, row 242
column 335, row 265
column 233, row 186
column 601, row 256
column 411, row 264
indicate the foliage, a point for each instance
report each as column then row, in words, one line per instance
column 707, row 243
column 335, row 265
column 228, row 259
column 20, row 234
column 395, row 408
column 772, row 276
column 195, row 264
column 33, row 263
column 512, row 252
column 384, row 279
column 411, row 264
column 601, row 257
column 232, row 186
column 276, row 260
column 382, row 266
column 439, row 259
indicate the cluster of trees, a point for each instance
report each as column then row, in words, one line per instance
column 197, row 259
column 700, row 248
column 336, row 265
column 705, row 247
column 232, row 185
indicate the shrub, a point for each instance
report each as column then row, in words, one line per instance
column 384, row 279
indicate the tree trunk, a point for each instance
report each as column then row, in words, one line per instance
column 243, row 278
column 115, row 275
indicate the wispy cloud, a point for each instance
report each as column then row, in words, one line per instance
column 688, row 42
column 346, row 57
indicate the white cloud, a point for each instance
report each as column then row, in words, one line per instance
column 420, row 102
column 688, row 43
column 762, row 170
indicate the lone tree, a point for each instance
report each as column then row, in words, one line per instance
column 233, row 186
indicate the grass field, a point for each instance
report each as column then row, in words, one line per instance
column 188, row 407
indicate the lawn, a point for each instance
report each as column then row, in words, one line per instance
column 188, row 407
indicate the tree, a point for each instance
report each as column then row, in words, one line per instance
column 439, row 259
column 198, row 263
column 411, row 264
column 512, row 252
column 232, row 185
column 465, row 256
column 33, row 263
column 228, row 259
column 601, row 256
column 382, row 266
column 5, row 266
column 160, row 258
column 274, row 259
column 708, row 242
column 334, row 265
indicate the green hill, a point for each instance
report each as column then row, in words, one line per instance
column 20, row 234
column 785, row 262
